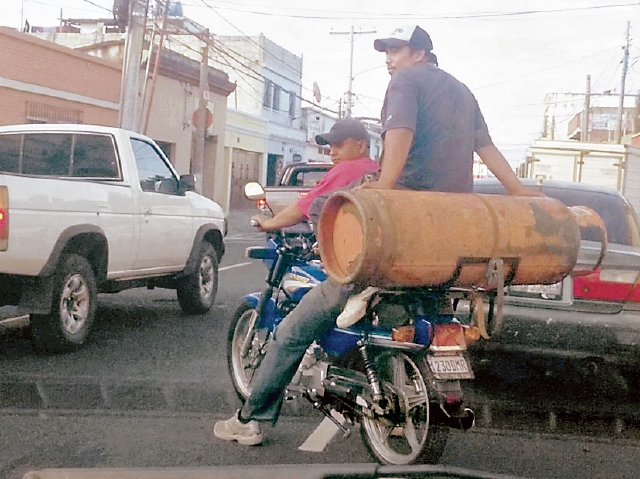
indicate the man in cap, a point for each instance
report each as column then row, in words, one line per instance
column 431, row 123
column 348, row 140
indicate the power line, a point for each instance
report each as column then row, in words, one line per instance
column 99, row 6
column 260, row 47
column 245, row 69
column 558, row 65
column 338, row 15
column 245, row 35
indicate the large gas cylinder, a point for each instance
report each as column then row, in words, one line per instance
column 392, row 238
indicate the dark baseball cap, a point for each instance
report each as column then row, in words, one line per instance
column 341, row 130
column 411, row 35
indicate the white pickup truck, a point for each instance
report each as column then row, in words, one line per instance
column 90, row 209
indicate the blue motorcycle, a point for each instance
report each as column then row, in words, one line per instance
column 396, row 372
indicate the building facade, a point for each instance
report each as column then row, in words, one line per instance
column 41, row 82
column 245, row 152
column 269, row 85
column 564, row 113
column 168, row 100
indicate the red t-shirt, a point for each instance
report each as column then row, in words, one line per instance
column 337, row 177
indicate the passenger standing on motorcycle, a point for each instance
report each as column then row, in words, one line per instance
column 348, row 140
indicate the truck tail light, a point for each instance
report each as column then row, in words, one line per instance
column 4, row 218
column 261, row 204
column 608, row 285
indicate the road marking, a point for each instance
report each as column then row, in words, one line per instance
column 15, row 322
column 234, row 266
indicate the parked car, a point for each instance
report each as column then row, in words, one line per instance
column 593, row 318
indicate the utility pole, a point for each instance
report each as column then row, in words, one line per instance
column 130, row 84
column 625, row 61
column 584, row 121
column 201, row 115
column 351, row 33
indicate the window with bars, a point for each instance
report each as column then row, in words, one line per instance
column 44, row 113
column 273, row 97
column 268, row 94
column 292, row 104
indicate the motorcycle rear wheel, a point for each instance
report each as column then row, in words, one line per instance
column 241, row 369
column 411, row 439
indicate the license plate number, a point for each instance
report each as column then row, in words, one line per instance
column 545, row 291
column 448, row 364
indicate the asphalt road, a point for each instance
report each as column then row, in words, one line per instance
column 147, row 389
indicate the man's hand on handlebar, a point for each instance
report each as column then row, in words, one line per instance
column 259, row 221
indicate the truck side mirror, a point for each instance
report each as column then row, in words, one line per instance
column 187, row 183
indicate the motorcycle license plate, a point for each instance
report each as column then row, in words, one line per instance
column 449, row 367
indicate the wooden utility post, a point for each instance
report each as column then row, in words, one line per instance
column 156, row 66
column 201, row 115
column 351, row 33
column 625, row 60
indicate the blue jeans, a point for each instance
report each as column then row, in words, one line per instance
column 309, row 321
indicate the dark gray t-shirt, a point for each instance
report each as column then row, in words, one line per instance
column 447, row 123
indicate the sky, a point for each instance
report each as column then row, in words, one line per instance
column 510, row 53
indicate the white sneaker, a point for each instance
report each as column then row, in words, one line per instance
column 355, row 308
column 233, row 430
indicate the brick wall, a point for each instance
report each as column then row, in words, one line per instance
column 34, row 70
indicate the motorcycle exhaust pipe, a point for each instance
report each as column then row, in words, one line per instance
column 464, row 422
column 343, row 390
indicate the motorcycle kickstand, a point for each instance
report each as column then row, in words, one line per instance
column 320, row 407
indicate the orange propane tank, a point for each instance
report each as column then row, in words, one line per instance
column 391, row 238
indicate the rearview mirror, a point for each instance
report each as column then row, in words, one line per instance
column 254, row 190
column 187, row 183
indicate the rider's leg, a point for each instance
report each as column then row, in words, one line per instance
column 308, row 321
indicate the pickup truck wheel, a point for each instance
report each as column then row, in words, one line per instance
column 197, row 291
column 75, row 300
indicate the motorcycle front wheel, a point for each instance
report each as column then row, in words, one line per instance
column 243, row 361
column 405, row 436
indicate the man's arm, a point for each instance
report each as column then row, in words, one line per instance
column 287, row 217
column 499, row 166
column 396, row 146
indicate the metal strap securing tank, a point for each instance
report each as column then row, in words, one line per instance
column 495, row 279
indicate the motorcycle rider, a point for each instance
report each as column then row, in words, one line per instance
column 348, row 141
column 432, row 126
